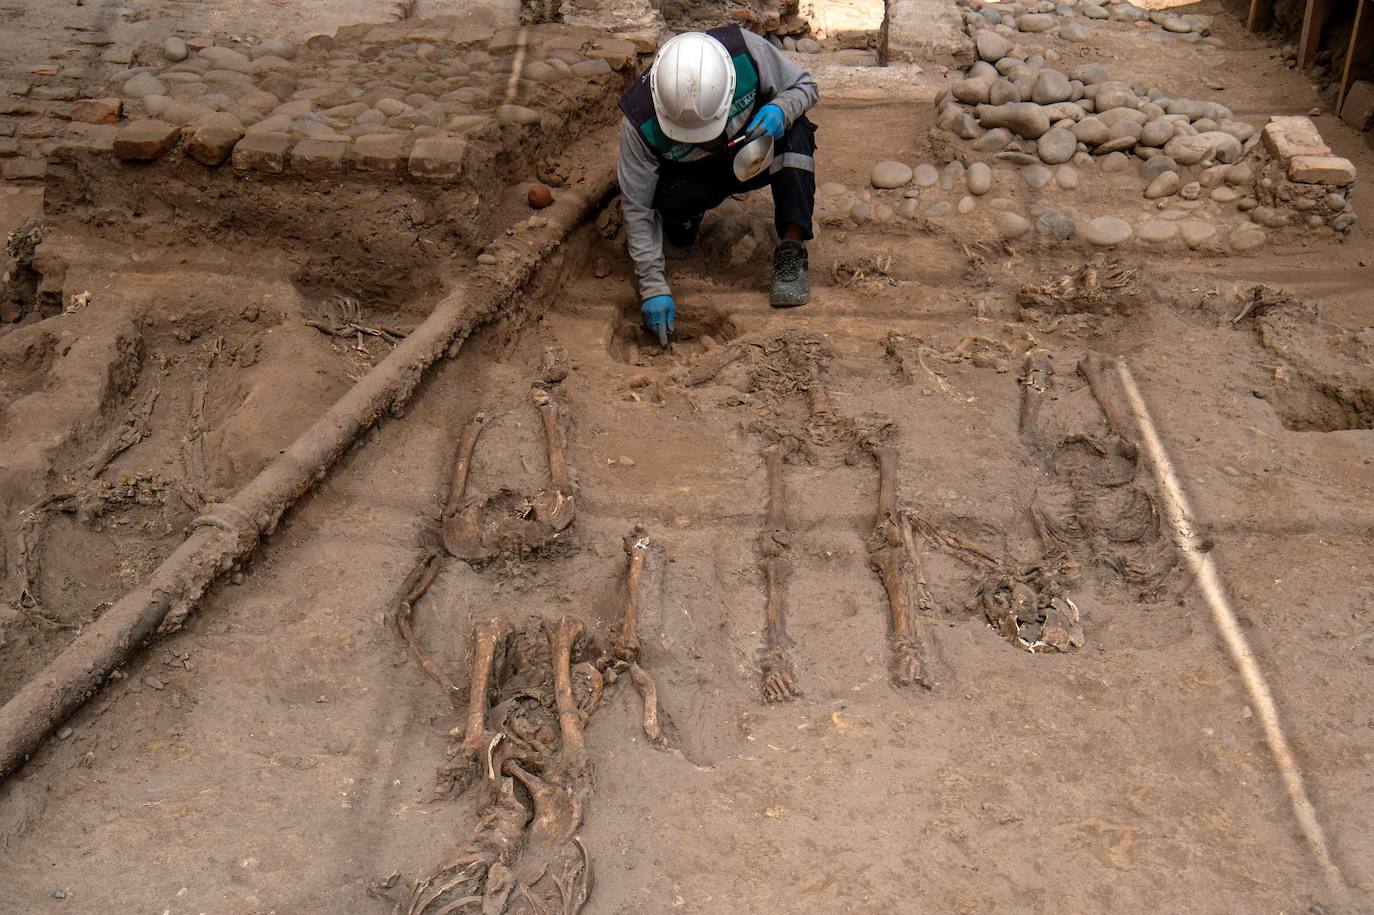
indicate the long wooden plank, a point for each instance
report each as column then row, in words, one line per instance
column 1313, row 18
column 1359, row 58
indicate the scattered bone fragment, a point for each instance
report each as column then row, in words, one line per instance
column 574, row 761
column 488, row 640
column 135, row 427
column 779, row 680
column 1093, row 370
column 554, row 506
column 1035, row 382
column 892, row 552
column 414, row 588
column 462, row 520
column 643, row 579
column 1031, row 610
column 554, row 365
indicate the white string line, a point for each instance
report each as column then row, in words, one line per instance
column 1204, row 569
column 517, row 65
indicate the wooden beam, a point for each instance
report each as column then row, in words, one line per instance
column 1261, row 15
column 1313, row 18
column 1359, row 57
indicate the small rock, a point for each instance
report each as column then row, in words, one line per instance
column 1037, row 175
column 925, row 175
column 992, row 47
column 1092, row 131
column 993, row 141
column 1196, row 233
column 966, row 205
column 1025, row 119
column 1057, row 225
column 1240, row 173
column 517, row 114
column 276, row 47
column 1012, row 225
column 1190, row 191
column 972, row 91
column 979, row 179
column 890, row 174
column 1114, row 94
column 1072, row 31
column 1156, row 132
column 144, row 84
column 1002, row 92
column 1107, row 231
column 1155, row 166
column 1066, row 176
column 951, row 175
column 1165, row 185
column 1247, row 236
column 487, row 260
column 1036, row 22
column 1186, row 150
column 1056, row 146
column 625, row 461
column 174, row 49
column 1090, row 74
column 1158, row 231
column 1050, row 86
column 64, row 732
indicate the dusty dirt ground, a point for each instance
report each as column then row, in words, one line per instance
column 279, row 752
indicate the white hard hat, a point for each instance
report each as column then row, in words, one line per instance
column 693, row 83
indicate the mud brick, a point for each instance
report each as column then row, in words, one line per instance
column 80, row 137
column 8, row 147
column 262, row 152
column 1358, row 110
column 1289, row 136
column 13, row 87
column 19, row 169
column 318, row 157
column 19, row 106
column 52, row 93
column 437, row 158
column 97, row 110
column 384, row 152
column 1329, row 170
column 212, row 145
column 145, row 140
column 618, row 52
column 38, row 128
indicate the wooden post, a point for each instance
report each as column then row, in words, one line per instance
column 1261, row 15
column 1313, row 18
column 1359, row 58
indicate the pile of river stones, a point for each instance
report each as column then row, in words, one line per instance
column 1035, row 130
column 386, row 86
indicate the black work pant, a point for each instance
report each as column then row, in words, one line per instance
column 686, row 190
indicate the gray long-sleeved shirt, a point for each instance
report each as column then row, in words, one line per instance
column 781, row 82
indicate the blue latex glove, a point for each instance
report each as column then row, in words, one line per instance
column 771, row 119
column 658, row 316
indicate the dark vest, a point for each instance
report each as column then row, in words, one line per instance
column 638, row 103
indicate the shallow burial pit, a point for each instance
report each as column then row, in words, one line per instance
column 697, row 329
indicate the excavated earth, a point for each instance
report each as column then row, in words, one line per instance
column 278, row 753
